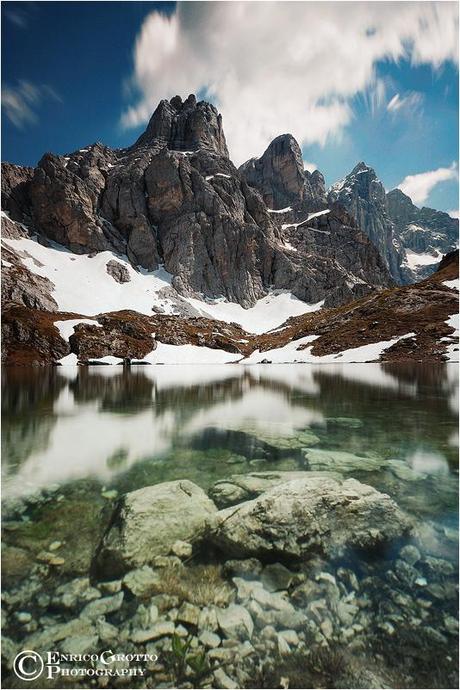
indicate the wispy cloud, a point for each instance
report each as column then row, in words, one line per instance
column 20, row 102
column 410, row 102
column 418, row 187
column 454, row 214
column 17, row 16
column 321, row 56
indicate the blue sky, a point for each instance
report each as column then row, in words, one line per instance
column 79, row 72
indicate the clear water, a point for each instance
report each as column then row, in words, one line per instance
column 83, row 435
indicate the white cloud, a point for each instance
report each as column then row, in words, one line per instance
column 419, row 186
column 311, row 167
column 412, row 102
column 20, row 102
column 454, row 214
column 283, row 67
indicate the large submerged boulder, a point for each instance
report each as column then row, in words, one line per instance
column 306, row 516
column 146, row 523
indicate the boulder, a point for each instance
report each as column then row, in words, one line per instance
column 306, row 516
column 118, row 271
column 243, row 487
column 145, row 523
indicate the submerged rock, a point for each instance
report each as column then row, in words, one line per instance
column 243, row 487
column 307, row 515
column 147, row 522
column 341, row 461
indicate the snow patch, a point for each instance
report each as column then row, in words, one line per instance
column 67, row 328
column 189, row 354
column 452, row 284
column 290, row 353
column 452, row 347
column 268, row 313
column 279, row 210
column 415, row 259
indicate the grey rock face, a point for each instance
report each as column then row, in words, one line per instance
column 304, row 516
column 146, row 523
column 14, row 186
column 422, row 230
column 21, row 286
column 327, row 258
column 186, row 126
column 280, row 177
column 364, row 197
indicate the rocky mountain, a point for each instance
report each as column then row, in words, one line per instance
column 114, row 255
column 364, row 196
column 425, row 233
column 280, row 177
column 174, row 199
column 411, row 240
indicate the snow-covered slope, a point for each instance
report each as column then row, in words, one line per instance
column 82, row 285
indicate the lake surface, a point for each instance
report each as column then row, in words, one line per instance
column 80, row 436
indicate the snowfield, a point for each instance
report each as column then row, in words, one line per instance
column 414, row 259
column 82, row 285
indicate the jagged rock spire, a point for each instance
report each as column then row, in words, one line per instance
column 185, row 126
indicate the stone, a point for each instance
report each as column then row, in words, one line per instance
column 118, row 271
column 146, row 524
column 45, row 639
column 410, row 554
column 111, row 587
column 55, row 545
column 304, row 516
column 209, row 639
column 160, row 629
column 244, row 487
column 188, row 614
column 50, row 558
column 73, row 593
column 106, row 631
column 290, row 636
column 80, row 644
column 235, row 621
column 207, row 619
column 23, row 617
column 249, row 567
column 276, row 576
column 223, row 680
column 283, row 646
column 341, row 461
column 405, row 572
column 182, row 549
column 142, row 581
column 327, row 628
column 102, row 607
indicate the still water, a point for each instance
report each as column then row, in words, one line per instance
column 74, row 438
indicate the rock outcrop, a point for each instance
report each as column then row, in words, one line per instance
column 280, row 177
column 364, row 197
column 305, row 516
column 421, row 231
column 145, row 523
column 185, row 126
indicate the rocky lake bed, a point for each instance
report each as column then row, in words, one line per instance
column 244, row 555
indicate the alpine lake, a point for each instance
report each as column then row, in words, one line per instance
column 75, row 439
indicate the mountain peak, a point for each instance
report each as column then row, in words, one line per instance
column 362, row 167
column 185, row 126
